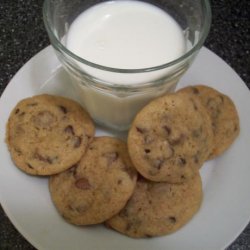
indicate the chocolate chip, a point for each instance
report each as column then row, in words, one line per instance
column 236, row 128
column 147, row 151
column 88, row 137
column 18, row 150
column 119, row 182
column 79, row 209
column 17, row 111
column 209, row 101
column 140, row 130
column 63, row 109
column 194, row 104
column 221, row 98
column 167, row 129
column 172, row 219
column 70, row 207
column 50, row 160
column 111, row 157
column 195, row 91
column 183, row 177
column 83, row 184
column 46, row 159
column 32, row 104
column 82, row 208
column 135, row 231
column 44, row 119
column 213, row 125
column 215, row 113
column 39, row 157
column 214, row 105
column 129, row 170
column 197, row 132
column 78, row 141
column 178, row 140
column 148, row 139
column 69, row 129
column 128, row 227
column 153, row 171
column 158, row 163
column 19, row 130
column 170, row 153
column 196, row 158
column 148, row 235
column 72, row 169
column 182, row 161
column 30, row 166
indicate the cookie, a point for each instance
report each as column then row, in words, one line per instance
column 223, row 113
column 170, row 138
column 158, row 208
column 98, row 187
column 48, row 134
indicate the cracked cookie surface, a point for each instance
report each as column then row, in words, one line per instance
column 98, row 187
column 170, row 138
column 223, row 113
column 158, row 208
column 48, row 134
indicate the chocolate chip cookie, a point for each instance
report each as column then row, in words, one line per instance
column 48, row 134
column 158, row 208
column 98, row 187
column 170, row 138
column 223, row 113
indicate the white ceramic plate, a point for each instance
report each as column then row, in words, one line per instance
column 225, row 209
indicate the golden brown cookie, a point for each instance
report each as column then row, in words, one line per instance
column 48, row 134
column 170, row 138
column 98, row 187
column 158, row 208
column 223, row 113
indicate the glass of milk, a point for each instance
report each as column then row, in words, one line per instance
column 121, row 54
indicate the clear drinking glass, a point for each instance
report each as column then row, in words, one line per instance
column 114, row 104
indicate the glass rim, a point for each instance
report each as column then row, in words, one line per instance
column 59, row 46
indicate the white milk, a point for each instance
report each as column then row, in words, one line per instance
column 128, row 35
